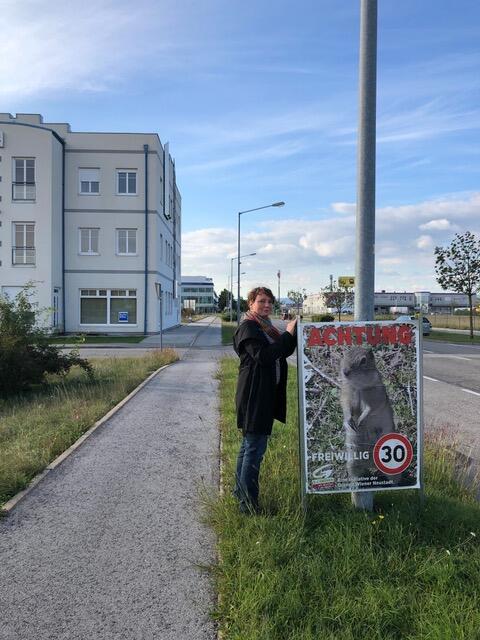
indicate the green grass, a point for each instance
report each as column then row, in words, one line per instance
column 408, row 572
column 37, row 426
column 447, row 336
column 84, row 339
column 228, row 329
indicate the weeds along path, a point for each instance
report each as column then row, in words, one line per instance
column 110, row 544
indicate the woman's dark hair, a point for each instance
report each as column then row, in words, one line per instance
column 252, row 295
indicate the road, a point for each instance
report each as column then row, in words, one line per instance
column 452, row 393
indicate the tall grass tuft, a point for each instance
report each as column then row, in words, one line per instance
column 37, row 426
column 406, row 572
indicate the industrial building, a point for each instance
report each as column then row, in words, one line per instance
column 398, row 302
column 198, row 294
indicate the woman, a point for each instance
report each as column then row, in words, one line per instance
column 261, row 389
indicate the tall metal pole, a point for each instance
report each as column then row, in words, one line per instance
column 365, row 237
column 238, row 272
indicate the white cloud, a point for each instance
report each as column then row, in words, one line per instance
column 344, row 207
column 308, row 251
column 441, row 224
column 87, row 46
column 424, row 242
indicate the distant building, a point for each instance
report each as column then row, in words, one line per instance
column 94, row 220
column 198, row 293
column 400, row 302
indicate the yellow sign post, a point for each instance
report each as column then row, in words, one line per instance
column 346, row 281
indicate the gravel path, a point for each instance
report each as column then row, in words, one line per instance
column 109, row 545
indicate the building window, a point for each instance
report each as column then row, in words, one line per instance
column 126, row 183
column 23, row 187
column 126, row 242
column 108, row 306
column 23, row 250
column 89, row 181
column 88, row 241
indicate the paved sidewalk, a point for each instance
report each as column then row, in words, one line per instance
column 109, row 545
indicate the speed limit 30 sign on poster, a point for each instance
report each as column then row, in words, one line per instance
column 359, row 386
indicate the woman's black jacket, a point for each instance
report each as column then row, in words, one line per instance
column 259, row 400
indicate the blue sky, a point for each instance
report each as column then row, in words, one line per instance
column 259, row 103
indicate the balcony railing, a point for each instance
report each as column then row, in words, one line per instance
column 23, row 255
column 23, row 190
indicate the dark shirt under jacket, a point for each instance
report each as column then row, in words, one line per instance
column 259, row 399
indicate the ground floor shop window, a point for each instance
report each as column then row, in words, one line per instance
column 108, row 306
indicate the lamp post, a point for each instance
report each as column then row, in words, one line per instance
column 231, row 278
column 240, row 213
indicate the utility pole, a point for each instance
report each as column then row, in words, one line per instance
column 365, row 236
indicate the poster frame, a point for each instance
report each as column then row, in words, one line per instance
column 303, row 467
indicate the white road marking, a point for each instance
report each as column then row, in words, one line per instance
column 475, row 393
column 459, row 358
column 426, row 351
column 432, row 379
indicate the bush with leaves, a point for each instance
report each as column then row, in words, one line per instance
column 25, row 353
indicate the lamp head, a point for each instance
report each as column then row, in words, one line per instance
column 278, row 204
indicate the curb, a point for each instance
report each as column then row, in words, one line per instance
column 8, row 507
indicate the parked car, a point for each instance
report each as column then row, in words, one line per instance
column 426, row 324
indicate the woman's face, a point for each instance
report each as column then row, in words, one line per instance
column 262, row 305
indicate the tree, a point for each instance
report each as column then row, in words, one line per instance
column 224, row 300
column 297, row 297
column 25, row 353
column 338, row 298
column 457, row 267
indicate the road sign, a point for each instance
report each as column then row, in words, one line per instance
column 393, row 453
column 346, row 281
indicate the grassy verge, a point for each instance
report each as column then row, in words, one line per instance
column 408, row 572
column 96, row 339
column 228, row 329
column 447, row 336
column 36, row 427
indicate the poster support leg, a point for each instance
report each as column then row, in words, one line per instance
column 420, row 443
column 301, row 452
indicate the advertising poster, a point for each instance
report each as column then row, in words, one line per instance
column 359, row 386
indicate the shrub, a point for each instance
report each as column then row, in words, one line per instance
column 226, row 316
column 25, row 354
column 187, row 313
column 324, row 317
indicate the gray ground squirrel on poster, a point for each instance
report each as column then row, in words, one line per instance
column 367, row 411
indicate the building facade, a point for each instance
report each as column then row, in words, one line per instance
column 93, row 220
column 198, row 294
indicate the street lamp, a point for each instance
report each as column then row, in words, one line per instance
column 240, row 213
column 231, row 278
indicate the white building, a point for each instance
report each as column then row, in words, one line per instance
column 94, row 220
column 198, row 293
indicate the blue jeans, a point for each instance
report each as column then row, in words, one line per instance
column 250, row 456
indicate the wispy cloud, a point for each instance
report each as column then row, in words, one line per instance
column 92, row 46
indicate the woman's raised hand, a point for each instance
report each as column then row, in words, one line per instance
column 291, row 326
